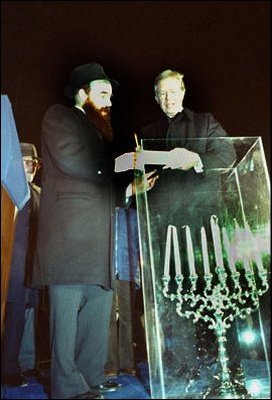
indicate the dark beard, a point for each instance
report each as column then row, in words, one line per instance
column 100, row 118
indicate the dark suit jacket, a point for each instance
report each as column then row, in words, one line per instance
column 76, row 202
column 190, row 125
column 186, row 192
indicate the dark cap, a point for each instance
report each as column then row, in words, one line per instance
column 29, row 150
column 84, row 74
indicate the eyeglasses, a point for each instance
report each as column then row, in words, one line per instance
column 30, row 163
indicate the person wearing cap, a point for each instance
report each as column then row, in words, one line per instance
column 74, row 236
column 18, row 344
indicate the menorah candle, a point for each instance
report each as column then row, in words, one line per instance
column 238, row 231
column 172, row 231
column 205, row 255
column 190, row 252
column 176, row 251
column 253, row 244
column 246, row 264
column 217, row 242
column 259, row 263
column 167, row 251
column 228, row 250
column 241, row 243
column 258, row 259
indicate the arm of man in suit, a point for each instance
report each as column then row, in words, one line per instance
column 68, row 150
column 220, row 152
column 213, row 150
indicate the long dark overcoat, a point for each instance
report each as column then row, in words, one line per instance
column 74, row 234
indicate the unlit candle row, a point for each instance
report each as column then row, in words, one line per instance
column 172, row 232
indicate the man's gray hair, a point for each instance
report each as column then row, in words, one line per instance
column 169, row 73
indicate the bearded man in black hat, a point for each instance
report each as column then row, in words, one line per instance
column 73, row 251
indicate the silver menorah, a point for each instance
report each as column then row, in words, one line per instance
column 218, row 304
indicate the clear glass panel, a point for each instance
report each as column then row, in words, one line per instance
column 205, row 255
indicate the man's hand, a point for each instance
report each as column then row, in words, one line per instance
column 181, row 158
column 147, row 184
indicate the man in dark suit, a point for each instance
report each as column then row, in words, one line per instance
column 187, row 193
column 184, row 187
column 18, row 344
column 73, row 251
column 189, row 158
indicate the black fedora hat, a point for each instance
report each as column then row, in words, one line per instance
column 84, row 74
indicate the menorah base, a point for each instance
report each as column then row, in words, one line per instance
column 227, row 390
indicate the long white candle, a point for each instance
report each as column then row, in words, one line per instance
column 228, row 250
column 241, row 243
column 167, row 252
column 190, row 251
column 247, row 264
column 216, row 242
column 239, row 251
column 252, row 242
column 176, row 251
column 238, row 232
column 172, row 232
column 241, row 248
column 204, row 247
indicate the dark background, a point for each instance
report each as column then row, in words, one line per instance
column 222, row 47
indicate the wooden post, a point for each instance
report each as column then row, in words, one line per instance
column 8, row 223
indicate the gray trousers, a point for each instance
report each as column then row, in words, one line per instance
column 79, row 329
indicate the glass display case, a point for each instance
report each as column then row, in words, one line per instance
column 205, row 259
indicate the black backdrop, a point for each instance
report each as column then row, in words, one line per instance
column 222, row 47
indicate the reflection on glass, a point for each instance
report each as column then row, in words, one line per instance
column 205, row 256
